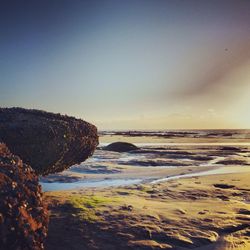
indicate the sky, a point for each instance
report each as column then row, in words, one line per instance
column 135, row 64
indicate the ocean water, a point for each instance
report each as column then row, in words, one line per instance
column 156, row 150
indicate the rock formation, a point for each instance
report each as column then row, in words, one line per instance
column 120, row 147
column 48, row 142
column 23, row 217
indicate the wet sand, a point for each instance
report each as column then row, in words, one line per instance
column 128, row 176
column 206, row 212
column 193, row 194
column 148, row 163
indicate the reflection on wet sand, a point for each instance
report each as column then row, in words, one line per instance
column 154, row 160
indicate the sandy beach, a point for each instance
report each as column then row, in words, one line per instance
column 200, row 200
column 206, row 212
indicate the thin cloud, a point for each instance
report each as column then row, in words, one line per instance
column 213, row 81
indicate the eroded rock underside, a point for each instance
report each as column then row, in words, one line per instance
column 48, row 142
column 23, row 217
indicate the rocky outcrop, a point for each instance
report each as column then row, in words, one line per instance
column 48, row 142
column 23, row 217
column 120, row 147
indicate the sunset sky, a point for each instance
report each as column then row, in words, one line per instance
column 134, row 64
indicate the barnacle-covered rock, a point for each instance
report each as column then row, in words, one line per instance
column 23, row 216
column 48, row 142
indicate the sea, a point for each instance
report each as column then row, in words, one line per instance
column 156, row 150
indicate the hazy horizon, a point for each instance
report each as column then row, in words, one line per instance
column 129, row 65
